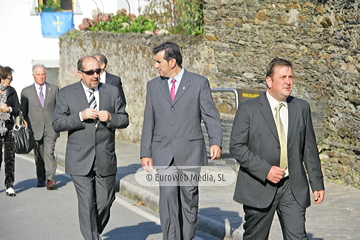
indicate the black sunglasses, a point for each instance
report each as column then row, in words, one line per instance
column 91, row 72
column 9, row 78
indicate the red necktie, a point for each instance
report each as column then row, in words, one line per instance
column 172, row 91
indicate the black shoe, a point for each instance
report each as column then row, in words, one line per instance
column 40, row 183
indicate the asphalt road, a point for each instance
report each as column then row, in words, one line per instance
column 41, row 214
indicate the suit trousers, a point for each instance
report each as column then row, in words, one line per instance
column 291, row 216
column 95, row 194
column 45, row 158
column 179, row 200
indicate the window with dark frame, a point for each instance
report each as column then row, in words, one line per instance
column 66, row 5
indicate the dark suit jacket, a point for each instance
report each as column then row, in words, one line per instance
column 173, row 129
column 115, row 81
column 39, row 118
column 254, row 144
column 13, row 102
column 85, row 141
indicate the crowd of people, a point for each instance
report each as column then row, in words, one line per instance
column 272, row 139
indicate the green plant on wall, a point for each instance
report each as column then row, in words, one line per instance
column 121, row 22
column 179, row 16
column 49, row 6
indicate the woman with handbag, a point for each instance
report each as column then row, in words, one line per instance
column 9, row 109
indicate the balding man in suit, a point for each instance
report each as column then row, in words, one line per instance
column 91, row 111
column 274, row 142
column 38, row 103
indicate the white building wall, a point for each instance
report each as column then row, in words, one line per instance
column 22, row 43
column 15, row 41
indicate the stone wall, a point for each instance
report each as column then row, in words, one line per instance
column 130, row 57
column 321, row 38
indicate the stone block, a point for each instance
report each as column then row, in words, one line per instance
column 348, row 179
column 261, row 15
column 293, row 5
column 326, row 22
column 352, row 164
column 213, row 2
column 211, row 37
column 341, row 170
column 324, row 157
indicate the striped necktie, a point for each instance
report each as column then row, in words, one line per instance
column 92, row 103
column 92, row 100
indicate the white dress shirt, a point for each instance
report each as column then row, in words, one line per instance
column 284, row 113
column 178, row 80
column 96, row 94
column 37, row 87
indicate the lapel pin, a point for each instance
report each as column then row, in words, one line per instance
column 183, row 88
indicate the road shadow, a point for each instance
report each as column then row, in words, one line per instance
column 311, row 238
column 211, row 218
column 139, row 232
column 19, row 187
column 123, row 171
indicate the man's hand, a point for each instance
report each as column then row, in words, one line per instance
column 89, row 113
column 104, row 116
column 319, row 196
column 147, row 164
column 275, row 174
column 215, row 152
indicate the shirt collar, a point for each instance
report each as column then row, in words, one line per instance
column 86, row 88
column 178, row 77
column 273, row 102
column 103, row 77
column 38, row 86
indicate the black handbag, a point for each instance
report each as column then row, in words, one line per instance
column 24, row 137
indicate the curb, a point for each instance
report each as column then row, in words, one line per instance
column 151, row 200
column 126, row 187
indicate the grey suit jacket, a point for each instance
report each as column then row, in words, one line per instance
column 173, row 129
column 85, row 141
column 38, row 118
column 115, row 81
column 255, row 145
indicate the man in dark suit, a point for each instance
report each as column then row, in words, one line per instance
column 172, row 139
column 274, row 141
column 38, row 103
column 90, row 153
column 108, row 78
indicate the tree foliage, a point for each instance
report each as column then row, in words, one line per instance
column 179, row 16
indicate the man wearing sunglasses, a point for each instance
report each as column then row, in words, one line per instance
column 108, row 78
column 91, row 111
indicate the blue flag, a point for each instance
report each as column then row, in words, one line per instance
column 54, row 24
